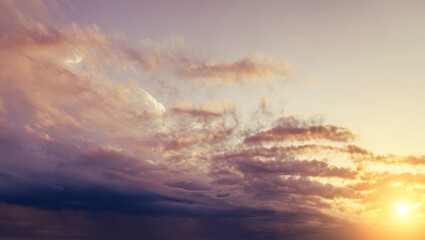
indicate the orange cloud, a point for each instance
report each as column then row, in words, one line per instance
column 285, row 133
column 229, row 72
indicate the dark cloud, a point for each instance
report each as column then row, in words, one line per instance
column 223, row 195
column 301, row 168
column 188, row 186
column 70, row 224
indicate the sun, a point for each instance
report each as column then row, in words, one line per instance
column 402, row 209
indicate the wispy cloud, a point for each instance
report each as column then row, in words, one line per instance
column 230, row 72
column 80, row 138
column 291, row 129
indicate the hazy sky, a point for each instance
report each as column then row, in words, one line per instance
column 362, row 61
column 179, row 119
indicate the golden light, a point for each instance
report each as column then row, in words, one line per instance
column 402, row 209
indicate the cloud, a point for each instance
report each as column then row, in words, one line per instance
column 303, row 168
column 206, row 110
column 86, row 138
column 291, row 129
column 256, row 68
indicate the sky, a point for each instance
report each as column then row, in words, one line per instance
column 212, row 119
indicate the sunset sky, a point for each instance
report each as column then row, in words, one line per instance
column 212, row 119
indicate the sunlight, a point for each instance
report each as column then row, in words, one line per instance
column 402, row 209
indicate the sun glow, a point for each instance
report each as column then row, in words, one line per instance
column 403, row 209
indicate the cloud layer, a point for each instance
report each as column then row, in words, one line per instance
column 88, row 152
